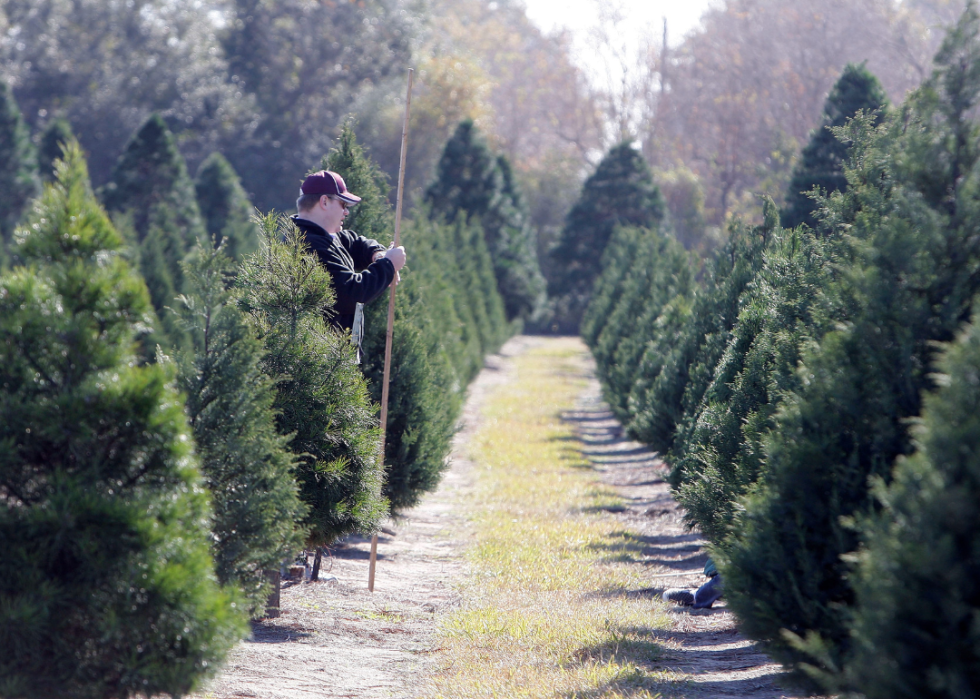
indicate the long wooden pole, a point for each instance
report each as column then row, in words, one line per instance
column 391, row 312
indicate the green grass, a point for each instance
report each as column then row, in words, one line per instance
column 545, row 609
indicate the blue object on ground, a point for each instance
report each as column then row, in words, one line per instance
column 709, row 593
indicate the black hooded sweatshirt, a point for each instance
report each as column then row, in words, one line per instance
column 347, row 256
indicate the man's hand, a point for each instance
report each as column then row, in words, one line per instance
column 397, row 257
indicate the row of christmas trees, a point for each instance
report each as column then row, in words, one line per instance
column 815, row 390
column 176, row 416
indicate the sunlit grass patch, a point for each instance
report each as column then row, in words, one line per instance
column 545, row 611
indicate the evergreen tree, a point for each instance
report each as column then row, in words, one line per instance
column 918, row 582
column 651, row 269
column 151, row 174
column 471, row 179
column 225, row 208
column 911, row 216
column 246, row 464
column 525, row 289
column 18, row 166
column 107, row 587
column 322, row 401
column 666, row 401
column 822, row 161
column 422, row 403
column 477, row 284
column 620, row 192
column 151, row 187
column 665, row 273
column 779, row 315
column 53, row 139
column 617, row 258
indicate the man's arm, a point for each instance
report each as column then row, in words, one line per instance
column 362, row 250
column 360, row 287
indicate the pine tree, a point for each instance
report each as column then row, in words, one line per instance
column 910, row 216
column 822, row 161
column 422, row 403
column 107, row 587
column 664, row 273
column 621, row 192
column 151, row 174
column 18, row 166
column 151, row 187
column 225, row 208
column 617, row 260
column 471, row 179
column 918, row 582
column 644, row 271
column 667, row 402
column 780, row 314
column 53, row 139
column 322, row 401
column 246, row 464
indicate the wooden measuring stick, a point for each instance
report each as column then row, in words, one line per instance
column 391, row 313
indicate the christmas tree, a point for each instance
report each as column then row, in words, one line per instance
column 779, row 316
column 322, row 402
column 18, row 166
column 822, row 161
column 918, row 581
column 246, row 464
column 150, row 186
column 53, row 139
column 665, row 402
column 910, row 224
column 225, row 208
column 107, row 587
column 423, row 403
column 471, row 179
column 621, row 192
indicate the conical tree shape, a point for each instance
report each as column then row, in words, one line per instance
column 18, row 166
column 161, row 245
column 910, row 217
column 822, row 161
column 53, row 139
column 471, row 179
column 779, row 316
column 477, row 284
column 150, row 174
column 918, row 582
column 422, row 404
column 246, row 464
column 150, row 185
column 666, row 400
column 621, row 192
column 225, row 208
column 322, row 401
column 107, row 586
column 659, row 272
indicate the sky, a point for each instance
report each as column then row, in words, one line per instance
column 645, row 15
column 641, row 20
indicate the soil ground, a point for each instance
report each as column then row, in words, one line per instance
column 336, row 639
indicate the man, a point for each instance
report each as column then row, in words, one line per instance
column 361, row 268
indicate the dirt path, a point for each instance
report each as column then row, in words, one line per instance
column 335, row 639
column 710, row 658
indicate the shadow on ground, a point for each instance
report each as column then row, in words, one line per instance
column 701, row 655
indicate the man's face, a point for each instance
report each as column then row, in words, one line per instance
column 335, row 211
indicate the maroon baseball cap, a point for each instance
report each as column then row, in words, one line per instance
column 329, row 183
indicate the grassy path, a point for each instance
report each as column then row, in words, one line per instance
column 572, row 536
column 547, row 607
column 533, row 571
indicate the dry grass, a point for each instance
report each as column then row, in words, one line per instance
column 546, row 610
